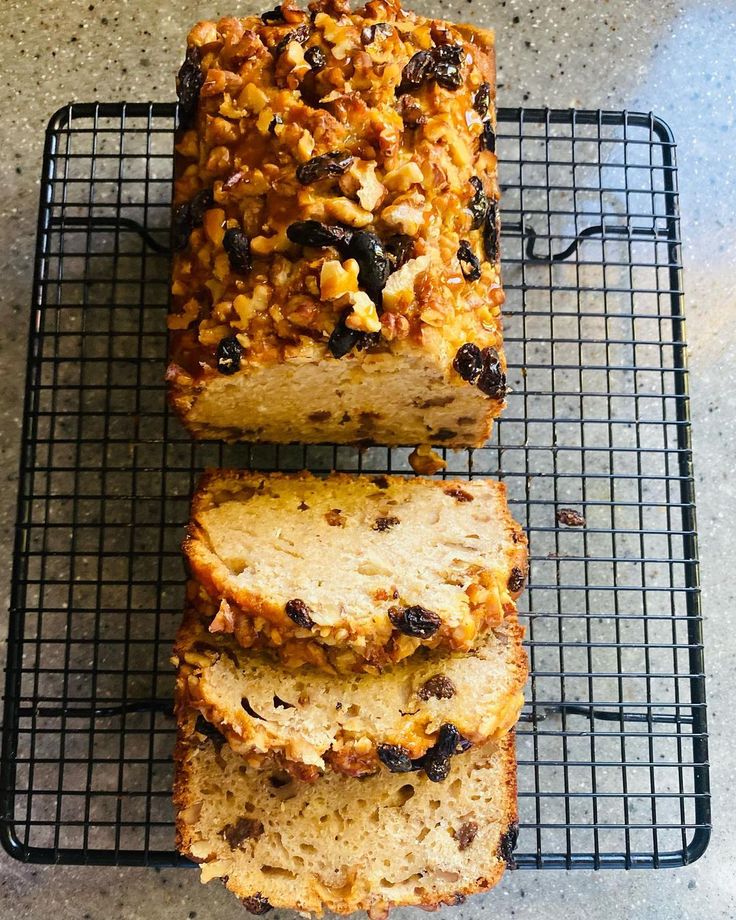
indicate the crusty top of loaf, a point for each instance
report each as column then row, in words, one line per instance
column 375, row 565
column 264, row 111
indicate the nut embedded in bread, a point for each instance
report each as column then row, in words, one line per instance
column 344, row 844
column 309, row 720
column 336, row 272
column 354, row 572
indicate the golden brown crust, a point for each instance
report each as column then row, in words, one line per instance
column 345, row 643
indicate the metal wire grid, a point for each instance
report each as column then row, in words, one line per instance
column 613, row 752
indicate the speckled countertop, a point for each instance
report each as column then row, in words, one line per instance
column 675, row 59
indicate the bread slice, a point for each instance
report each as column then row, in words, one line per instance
column 368, row 568
column 308, row 719
column 344, row 844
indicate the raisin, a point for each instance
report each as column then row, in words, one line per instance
column 276, row 120
column 300, row 34
column 316, row 58
column 368, row 340
column 334, row 518
column 395, row 757
column 188, row 84
column 570, row 517
column 436, row 762
column 199, row 204
column 257, row 904
column 272, row 16
column 243, row 829
column 466, row 834
column 181, row 226
column 378, row 30
column 478, row 206
column 490, row 232
column 488, row 137
column 373, row 261
column 237, row 246
column 334, row 163
column 385, row 523
column 415, row 621
column 228, row 355
column 399, row 249
column 516, row 580
column 439, row 687
column 492, row 380
column 482, row 99
column 459, row 494
column 448, row 75
column 448, row 54
column 469, row 261
column 343, row 339
column 468, row 362
column 298, row 612
column 381, row 482
column 417, row 71
column 313, row 233
column 508, row 843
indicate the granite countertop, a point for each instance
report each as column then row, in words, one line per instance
column 675, row 59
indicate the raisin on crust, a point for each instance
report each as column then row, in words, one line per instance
column 335, row 176
column 399, row 845
column 358, row 595
column 309, row 720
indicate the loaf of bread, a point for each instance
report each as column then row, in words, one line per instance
column 335, row 227
column 352, row 571
column 343, row 843
column 307, row 719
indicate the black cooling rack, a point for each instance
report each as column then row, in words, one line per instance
column 612, row 752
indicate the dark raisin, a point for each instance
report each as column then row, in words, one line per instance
column 334, row 163
column 276, row 120
column 201, row 202
column 228, row 355
column 415, row 621
column 490, row 232
column 448, row 54
column 272, row 16
column 468, row 362
column 381, row 482
column 508, row 843
column 436, row 762
column 298, row 612
column 237, row 246
column 395, row 757
column 570, row 518
column 439, row 687
column 300, row 34
column 257, row 904
column 469, row 261
column 399, row 249
column 482, row 99
column 516, row 580
column 385, row 523
column 343, row 339
column 188, row 84
column 488, row 138
column 378, row 30
column 181, row 226
column 368, row 252
column 492, row 380
column 316, row 58
column 418, row 70
column 466, row 834
column 368, row 340
column 448, row 75
column 243, row 829
column 478, row 206
column 313, row 233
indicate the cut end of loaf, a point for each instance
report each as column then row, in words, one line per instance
column 344, row 844
column 387, row 398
